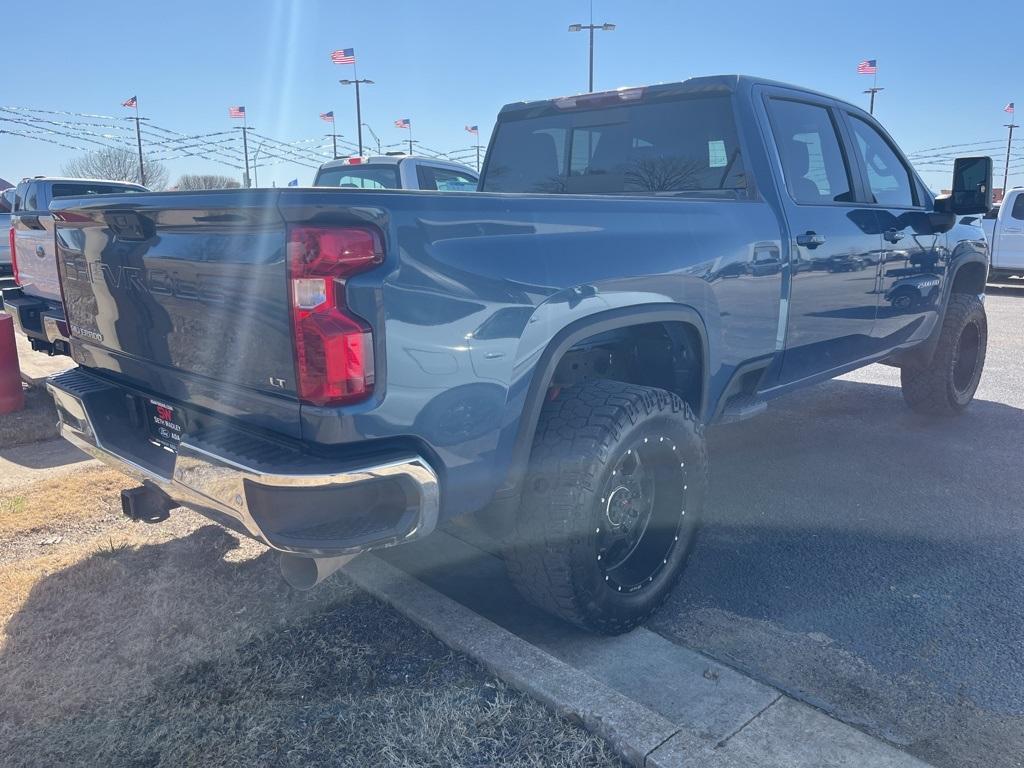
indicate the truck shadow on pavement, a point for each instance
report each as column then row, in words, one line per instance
column 867, row 560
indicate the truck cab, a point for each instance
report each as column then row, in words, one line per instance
column 1004, row 228
column 396, row 172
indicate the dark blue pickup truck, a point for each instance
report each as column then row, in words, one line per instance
column 332, row 371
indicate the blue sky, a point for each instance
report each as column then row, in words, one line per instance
column 947, row 68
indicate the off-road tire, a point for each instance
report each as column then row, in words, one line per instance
column 946, row 386
column 584, row 433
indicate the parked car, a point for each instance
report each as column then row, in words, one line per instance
column 36, row 304
column 1004, row 228
column 331, row 373
column 6, row 205
column 396, row 172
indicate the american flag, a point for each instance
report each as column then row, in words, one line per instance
column 405, row 122
column 327, row 117
column 473, row 128
column 132, row 102
column 344, row 56
column 868, row 67
column 1008, row 108
column 236, row 112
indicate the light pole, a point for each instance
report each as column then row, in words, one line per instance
column 590, row 28
column 359, row 112
column 375, row 137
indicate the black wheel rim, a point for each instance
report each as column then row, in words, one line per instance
column 641, row 512
column 965, row 358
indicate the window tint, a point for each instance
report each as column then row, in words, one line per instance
column 888, row 178
column 445, row 179
column 1018, row 208
column 19, row 196
column 31, row 197
column 359, row 177
column 6, row 200
column 663, row 147
column 80, row 189
column 812, row 157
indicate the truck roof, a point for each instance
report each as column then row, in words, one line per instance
column 693, row 85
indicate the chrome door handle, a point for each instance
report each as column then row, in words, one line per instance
column 810, row 240
column 892, row 236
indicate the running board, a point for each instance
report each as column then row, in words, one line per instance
column 742, row 407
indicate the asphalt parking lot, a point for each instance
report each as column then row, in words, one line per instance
column 856, row 556
column 869, row 561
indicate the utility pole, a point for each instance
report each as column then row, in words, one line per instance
column 245, row 149
column 134, row 102
column 873, row 90
column 1009, row 144
column 359, row 113
column 590, row 28
column 255, row 159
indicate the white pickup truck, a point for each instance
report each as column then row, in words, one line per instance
column 1004, row 227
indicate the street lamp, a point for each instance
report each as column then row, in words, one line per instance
column 375, row 138
column 590, row 28
column 359, row 113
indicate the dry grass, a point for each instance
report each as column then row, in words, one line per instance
column 52, row 504
column 36, row 421
column 177, row 644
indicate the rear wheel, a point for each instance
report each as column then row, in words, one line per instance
column 610, row 505
column 947, row 384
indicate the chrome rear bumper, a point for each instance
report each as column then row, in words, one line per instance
column 302, row 507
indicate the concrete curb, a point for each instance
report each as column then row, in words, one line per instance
column 632, row 730
column 784, row 734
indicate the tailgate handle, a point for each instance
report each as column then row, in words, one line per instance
column 129, row 225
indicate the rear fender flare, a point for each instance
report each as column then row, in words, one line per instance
column 561, row 342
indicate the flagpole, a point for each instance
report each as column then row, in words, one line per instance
column 334, row 135
column 410, row 137
column 1009, row 144
column 138, row 139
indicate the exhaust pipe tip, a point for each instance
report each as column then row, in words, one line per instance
column 304, row 573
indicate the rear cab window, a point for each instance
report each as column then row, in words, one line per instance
column 671, row 146
column 445, row 179
column 359, row 177
column 81, row 189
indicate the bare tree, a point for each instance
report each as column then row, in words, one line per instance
column 190, row 181
column 116, row 164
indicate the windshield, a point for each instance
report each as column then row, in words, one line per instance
column 359, row 177
column 664, row 147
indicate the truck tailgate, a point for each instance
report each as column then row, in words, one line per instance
column 189, row 284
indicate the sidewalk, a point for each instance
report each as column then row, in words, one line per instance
column 660, row 704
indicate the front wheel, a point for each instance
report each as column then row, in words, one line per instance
column 947, row 384
column 610, row 504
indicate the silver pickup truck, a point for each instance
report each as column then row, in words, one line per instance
column 36, row 303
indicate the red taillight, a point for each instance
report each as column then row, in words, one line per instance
column 333, row 346
column 14, row 256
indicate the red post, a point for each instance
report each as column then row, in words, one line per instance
column 12, row 396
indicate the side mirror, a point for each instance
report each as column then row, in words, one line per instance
column 972, row 187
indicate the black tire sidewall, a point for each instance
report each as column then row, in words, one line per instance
column 596, row 597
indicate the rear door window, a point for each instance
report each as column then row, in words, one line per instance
column 813, row 164
column 685, row 145
column 1018, row 208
